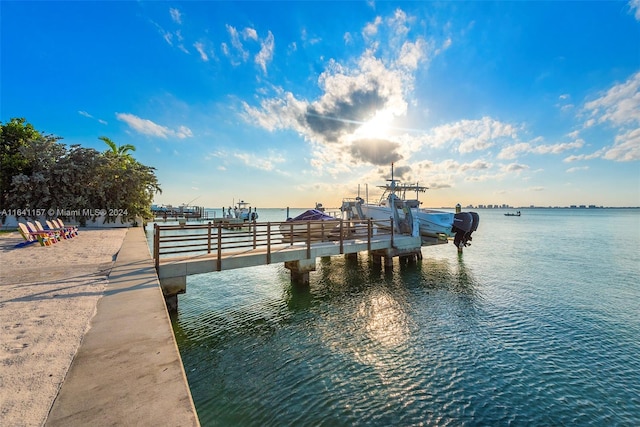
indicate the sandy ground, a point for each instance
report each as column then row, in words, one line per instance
column 48, row 296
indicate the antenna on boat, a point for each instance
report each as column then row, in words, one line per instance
column 393, row 183
column 189, row 204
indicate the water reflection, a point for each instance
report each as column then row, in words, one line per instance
column 359, row 329
column 464, row 281
column 384, row 319
column 298, row 297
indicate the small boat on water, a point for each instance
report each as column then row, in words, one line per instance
column 313, row 221
column 182, row 211
column 242, row 210
column 512, row 214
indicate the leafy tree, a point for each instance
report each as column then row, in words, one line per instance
column 13, row 135
column 129, row 185
column 42, row 173
column 32, row 187
column 77, row 179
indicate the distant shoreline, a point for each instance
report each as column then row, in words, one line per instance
column 552, row 207
column 485, row 207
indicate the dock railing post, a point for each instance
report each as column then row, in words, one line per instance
column 369, row 232
column 254, row 235
column 156, row 245
column 291, row 235
column 308, row 239
column 268, row 243
column 219, row 260
column 209, row 237
column 341, row 236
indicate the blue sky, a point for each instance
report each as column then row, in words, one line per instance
column 291, row 103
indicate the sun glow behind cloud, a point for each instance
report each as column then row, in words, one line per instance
column 351, row 123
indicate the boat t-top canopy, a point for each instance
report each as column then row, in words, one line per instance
column 400, row 190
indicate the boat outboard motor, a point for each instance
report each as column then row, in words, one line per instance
column 464, row 224
column 476, row 222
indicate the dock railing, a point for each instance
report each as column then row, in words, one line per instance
column 221, row 238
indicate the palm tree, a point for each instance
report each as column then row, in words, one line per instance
column 118, row 150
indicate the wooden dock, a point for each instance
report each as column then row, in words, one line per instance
column 183, row 250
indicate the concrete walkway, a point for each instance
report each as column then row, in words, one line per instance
column 128, row 369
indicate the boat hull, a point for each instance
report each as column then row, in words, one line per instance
column 432, row 223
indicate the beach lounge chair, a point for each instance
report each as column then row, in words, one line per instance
column 55, row 233
column 72, row 228
column 34, row 236
column 65, row 233
column 33, row 229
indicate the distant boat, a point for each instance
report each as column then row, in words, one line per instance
column 512, row 214
column 242, row 210
column 182, row 211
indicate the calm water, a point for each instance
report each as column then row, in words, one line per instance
column 537, row 323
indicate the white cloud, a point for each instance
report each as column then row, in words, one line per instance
column 619, row 108
column 175, row 15
column 183, row 132
column 399, row 23
column 514, row 167
column 371, row 29
column 147, row 127
column 579, row 157
column 475, row 165
column 473, row 135
column 85, row 114
column 238, row 53
column 620, row 105
column 626, row 147
column 200, row 48
column 512, row 151
column 634, row 6
column 250, row 33
column 259, row 162
column 174, row 39
column 577, row 169
column 412, row 54
column 266, row 52
column 236, row 43
column 348, row 38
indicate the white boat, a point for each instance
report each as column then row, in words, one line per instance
column 242, row 210
column 431, row 222
column 317, row 224
column 182, row 211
